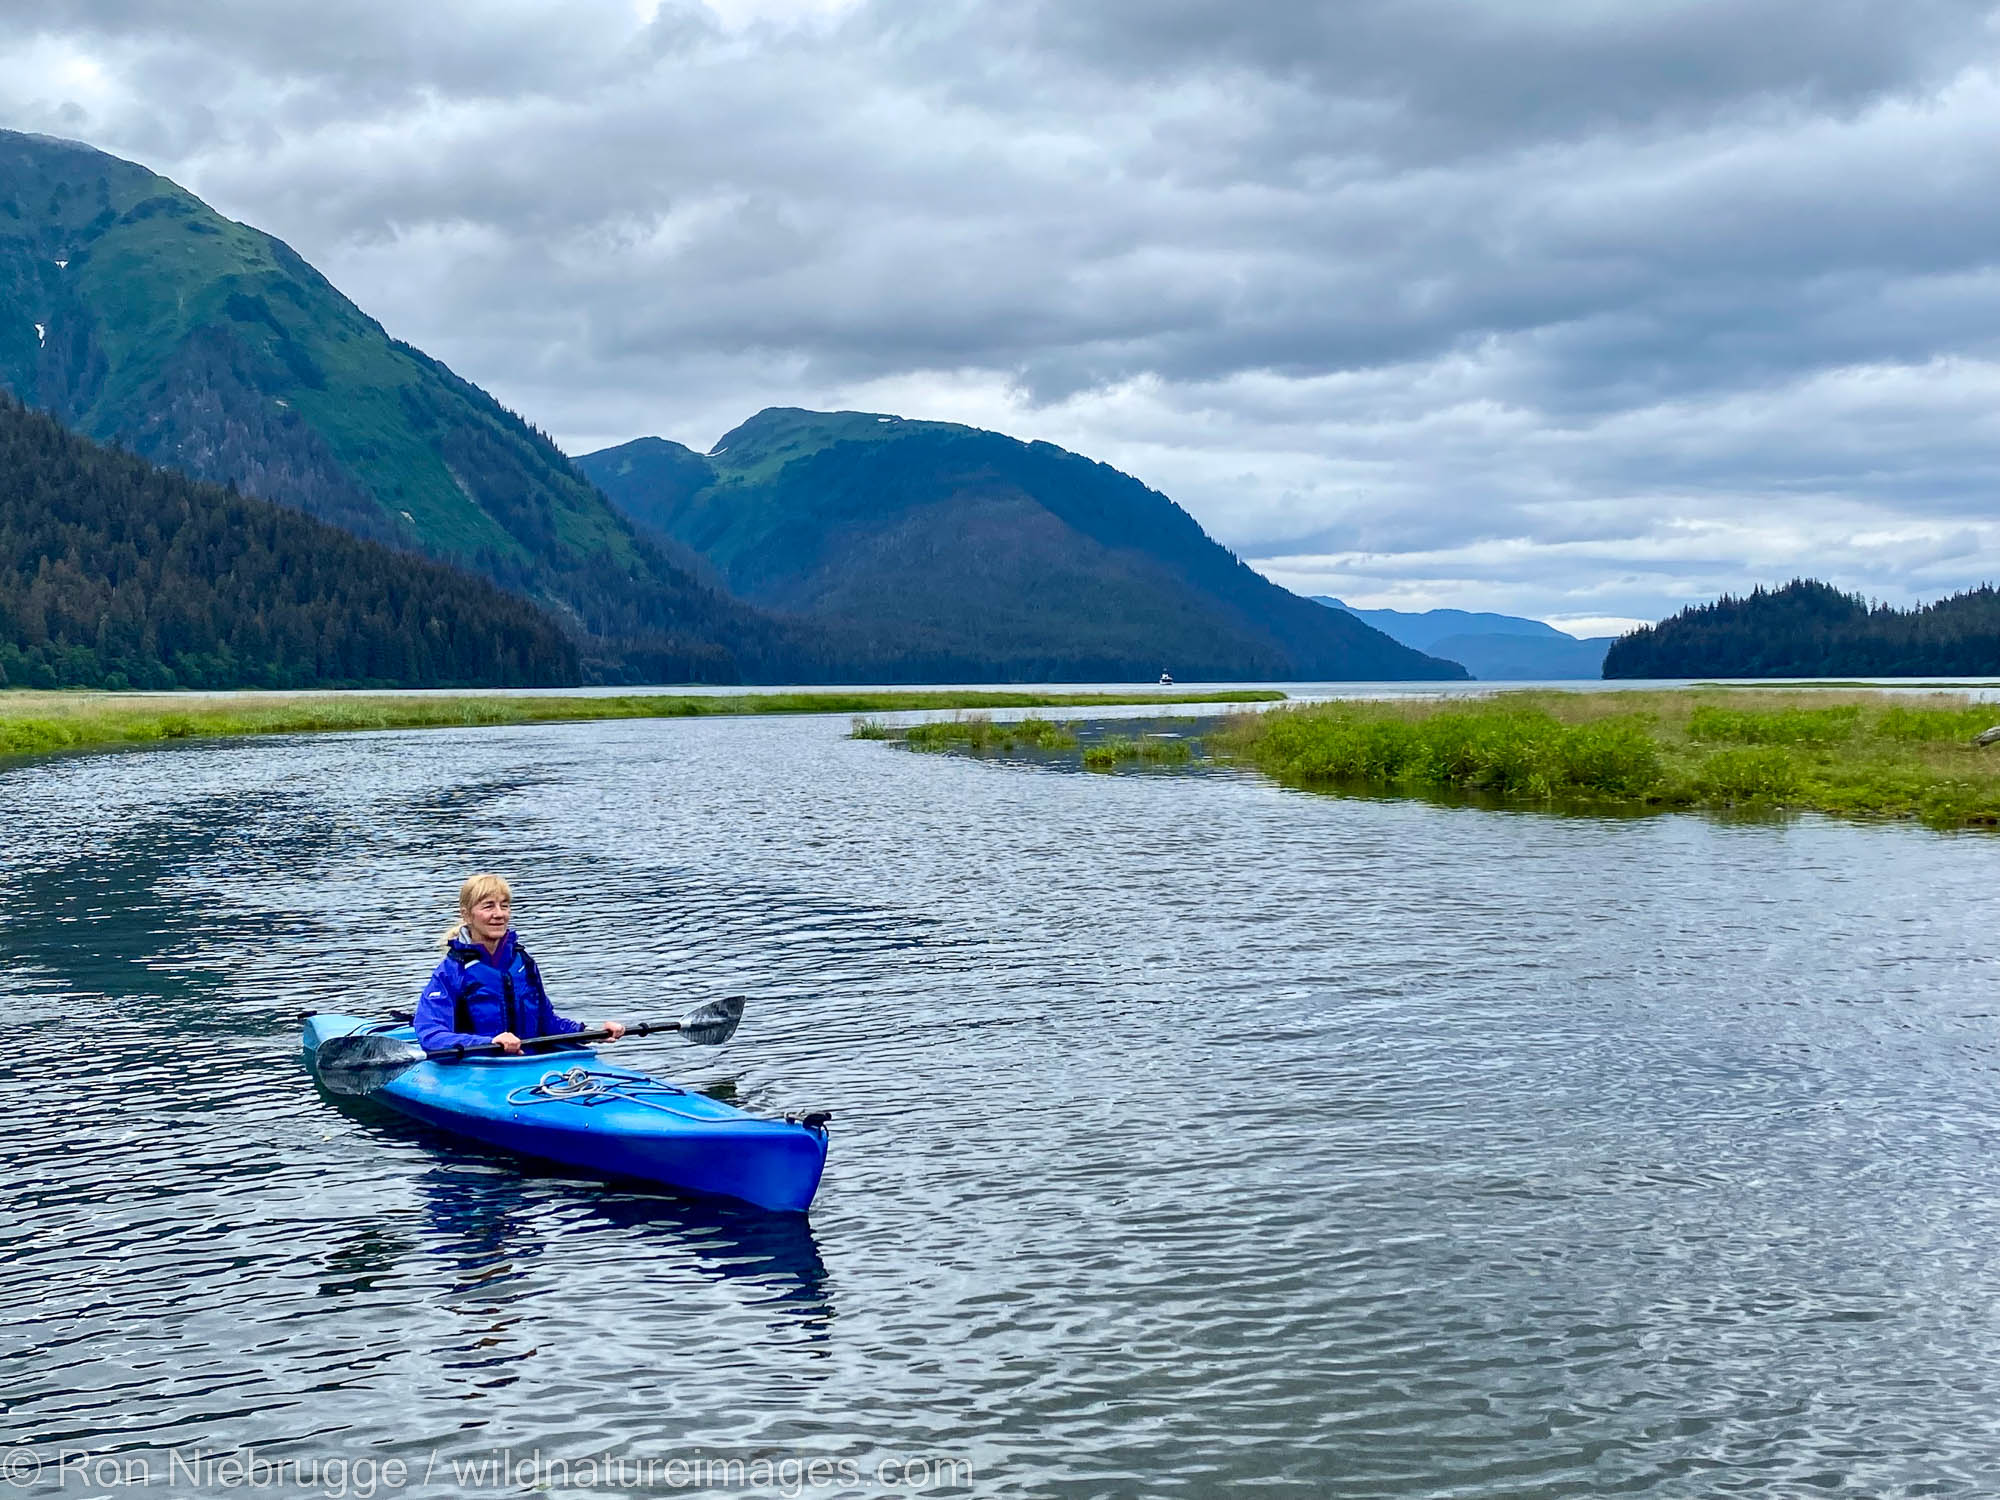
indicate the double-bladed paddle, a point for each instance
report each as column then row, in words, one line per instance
column 362, row 1063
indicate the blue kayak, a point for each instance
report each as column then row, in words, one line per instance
column 567, row 1105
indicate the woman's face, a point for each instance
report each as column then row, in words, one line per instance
column 489, row 920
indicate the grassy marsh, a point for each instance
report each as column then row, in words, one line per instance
column 1850, row 752
column 1114, row 750
column 979, row 734
column 39, row 722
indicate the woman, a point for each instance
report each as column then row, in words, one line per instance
column 488, row 988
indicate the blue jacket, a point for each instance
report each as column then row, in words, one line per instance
column 473, row 997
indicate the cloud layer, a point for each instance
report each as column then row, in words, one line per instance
column 1583, row 310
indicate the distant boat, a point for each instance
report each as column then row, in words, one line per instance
column 1166, row 679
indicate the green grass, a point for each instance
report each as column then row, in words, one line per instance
column 979, row 732
column 1854, row 753
column 39, row 722
column 1115, row 750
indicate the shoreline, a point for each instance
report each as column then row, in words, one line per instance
column 1850, row 753
column 41, row 722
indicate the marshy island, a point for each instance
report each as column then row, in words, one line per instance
column 1849, row 752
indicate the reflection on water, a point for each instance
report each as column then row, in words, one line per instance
column 483, row 1208
column 483, row 1226
column 1190, row 1135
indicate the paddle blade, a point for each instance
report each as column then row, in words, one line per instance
column 712, row 1024
column 362, row 1064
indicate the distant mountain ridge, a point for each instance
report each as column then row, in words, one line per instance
column 1811, row 629
column 1493, row 647
column 950, row 551
column 136, row 314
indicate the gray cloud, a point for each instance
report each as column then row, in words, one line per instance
column 1577, row 309
column 1448, row 76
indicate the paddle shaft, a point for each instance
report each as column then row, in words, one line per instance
column 494, row 1049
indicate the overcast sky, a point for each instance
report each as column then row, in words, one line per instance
column 1582, row 309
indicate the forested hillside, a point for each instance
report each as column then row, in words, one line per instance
column 935, row 551
column 114, row 573
column 137, row 314
column 1810, row 629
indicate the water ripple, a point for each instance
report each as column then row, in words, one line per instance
column 1190, row 1135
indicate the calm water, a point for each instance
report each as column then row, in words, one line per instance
column 1192, row 1137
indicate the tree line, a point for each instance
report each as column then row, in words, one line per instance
column 117, row 574
column 1811, row 629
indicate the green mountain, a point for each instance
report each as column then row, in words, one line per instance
column 136, row 314
column 115, row 574
column 1811, row 629
column 932, row 550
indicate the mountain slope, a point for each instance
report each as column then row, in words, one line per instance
column 939, row 550
column 1811, row 629
column 1493, row 647
column 134, row 313
column 114, row 573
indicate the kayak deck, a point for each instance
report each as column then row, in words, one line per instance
column 567, row 1105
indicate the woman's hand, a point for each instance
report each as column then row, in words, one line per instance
column 616, row 1028
column 509, row 1043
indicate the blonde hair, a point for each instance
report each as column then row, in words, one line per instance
column 475, row 890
